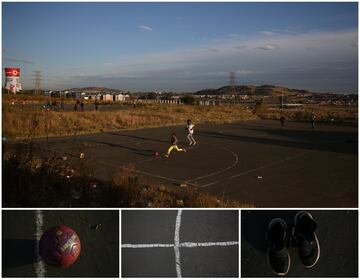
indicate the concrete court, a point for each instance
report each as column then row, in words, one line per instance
column 159, row 227
column 258, row 163
column 99, row 255
column 337, row 234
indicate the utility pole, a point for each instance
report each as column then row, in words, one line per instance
column 37, row 81
column 232, row 90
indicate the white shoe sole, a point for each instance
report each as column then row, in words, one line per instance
column 273, row 221
column 316, row 239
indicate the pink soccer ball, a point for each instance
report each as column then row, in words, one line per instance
column 59, row 246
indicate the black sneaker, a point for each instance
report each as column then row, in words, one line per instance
column 278, row 251
column 306, row 239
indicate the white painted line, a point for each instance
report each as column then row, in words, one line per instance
column 256, row 169
column 177, row 243
column 162, row 177
column 121, row 166
column 177, row 228
column 177, row 262
column 220, row 171
column 207, row 244
column 181, row 245
column 39, row 265
column 136, row 246
column 146, row 173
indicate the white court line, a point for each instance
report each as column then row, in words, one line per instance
column 119, row 166
column 207, row 244
column 220, row 171
column 181, row 245
column 151, row 174
column 176, row 243
column 147, row 173
column 39, row 265
column 191, row 179
column 141, row 246
column 256, row 169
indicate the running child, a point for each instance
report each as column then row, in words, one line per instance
column 313, row 118
column 174, row 145
column 190, row 130
column 282, row 120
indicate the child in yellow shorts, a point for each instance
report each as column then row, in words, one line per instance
column 174, row 145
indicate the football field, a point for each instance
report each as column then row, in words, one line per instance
column 258, row 163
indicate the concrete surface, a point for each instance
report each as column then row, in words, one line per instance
column 99, row 255
column 258, row 163
column 159, row 227
column 337, row 234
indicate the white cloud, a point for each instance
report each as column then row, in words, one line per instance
column 285, row 32
column 267, row 33
column 146, row 28
column 268, row 47
column 256, row 66
column 333, row 45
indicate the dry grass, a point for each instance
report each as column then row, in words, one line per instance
column 18, row 123
column 33, row 99
column 323, row 113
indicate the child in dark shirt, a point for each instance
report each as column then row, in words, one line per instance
column 174, row 145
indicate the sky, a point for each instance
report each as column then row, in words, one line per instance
column 183, row 46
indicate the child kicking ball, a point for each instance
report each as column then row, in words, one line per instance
column 174, row 145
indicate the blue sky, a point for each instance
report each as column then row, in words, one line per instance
column 183, row 46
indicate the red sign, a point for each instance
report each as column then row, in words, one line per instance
column 12, row 72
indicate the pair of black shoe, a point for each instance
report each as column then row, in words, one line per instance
column 303, row 236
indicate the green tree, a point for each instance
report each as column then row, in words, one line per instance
column 188, row 100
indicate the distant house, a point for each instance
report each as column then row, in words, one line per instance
column 121, row 97
column 168, row 101
column 107, row 97
column 207, row 102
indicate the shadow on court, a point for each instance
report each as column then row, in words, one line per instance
column 18, row 252
column 255, row 223
column 256, row 163
column 97, row 230
column 303, row 139
column 137, row 137
column 135, row 150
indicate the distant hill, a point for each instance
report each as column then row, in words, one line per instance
column 267, row 90
column 95, row 90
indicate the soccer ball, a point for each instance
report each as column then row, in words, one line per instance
column 59, row 246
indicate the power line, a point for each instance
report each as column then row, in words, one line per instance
column 37, row 81
column 232, row 90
